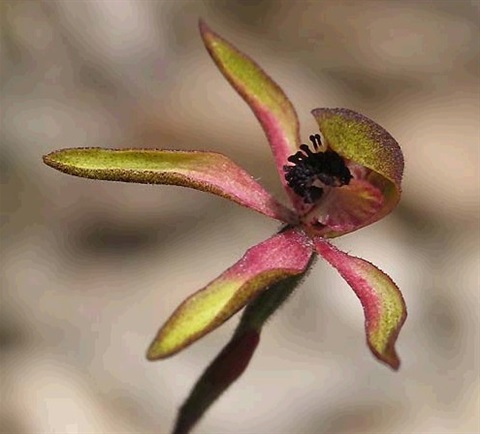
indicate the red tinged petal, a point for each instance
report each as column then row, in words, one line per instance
column 364, row 142
column 382, row 301
column 266, row 99
column 284, row 255
column 205, row 171
column 345, row 209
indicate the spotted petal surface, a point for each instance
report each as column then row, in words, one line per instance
column 284, row 255
column 382, row 302
column 205, row 171
column 266, row 99
column 366, row 143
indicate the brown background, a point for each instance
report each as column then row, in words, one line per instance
column 91, row 269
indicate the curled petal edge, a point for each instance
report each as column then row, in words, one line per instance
column 361, row 140
column 382, row 302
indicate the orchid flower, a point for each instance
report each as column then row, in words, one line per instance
column 347, row 178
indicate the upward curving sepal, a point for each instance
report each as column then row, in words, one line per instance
column 284, row 255
column 266, row 99
column 205, row 171
column 382, row 301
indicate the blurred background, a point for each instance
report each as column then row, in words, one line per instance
column 90, row 269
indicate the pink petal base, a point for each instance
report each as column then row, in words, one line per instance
column 345, row 209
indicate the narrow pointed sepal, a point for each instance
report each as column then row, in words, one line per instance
column 206, row 171
column 383, row 304
column 265, row 98
column 284, row 255
column 365, row 143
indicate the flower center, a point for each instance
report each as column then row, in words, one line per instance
column 312, row 171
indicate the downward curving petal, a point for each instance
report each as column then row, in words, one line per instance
column 284, row 255
column 205, row 171
column 266, row 99
column 382, row 301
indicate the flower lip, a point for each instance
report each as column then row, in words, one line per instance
column 359, row 139
column 312, row 171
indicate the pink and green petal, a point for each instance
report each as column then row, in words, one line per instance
column 284, row 255
column 382, row 301
column 364, row 142
column 266, row 99
column 205, row 171
column 229, row 365
column 345, row 209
